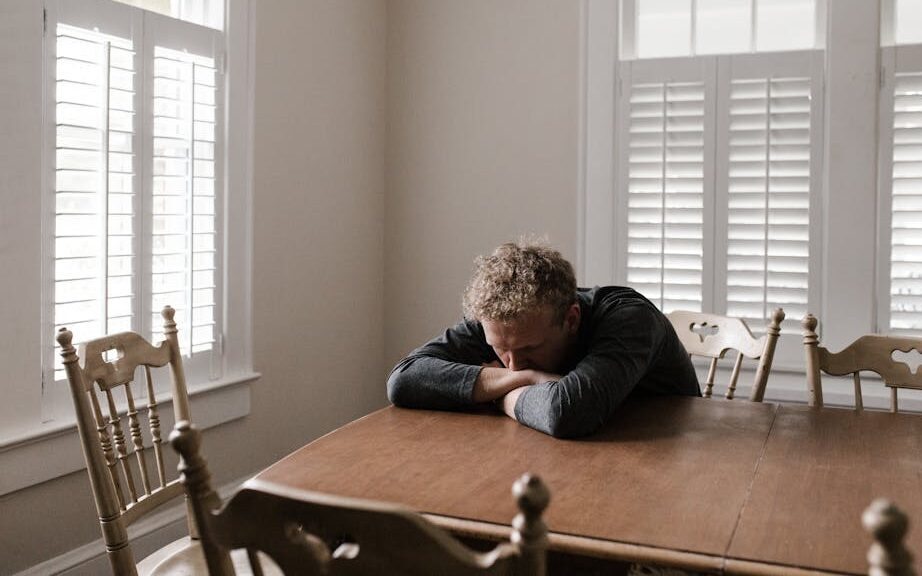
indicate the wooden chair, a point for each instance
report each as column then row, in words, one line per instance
column 888, row 555
column 871, row 352
column 312, row 533
column 127, row 479
column 711, row 336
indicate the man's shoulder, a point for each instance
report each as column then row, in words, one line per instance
column 605, row 299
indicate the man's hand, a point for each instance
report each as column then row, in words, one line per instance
column 496, row 381
column 509, row 400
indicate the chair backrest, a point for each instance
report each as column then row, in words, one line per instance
column 128, row 480
column 888, row 525
column 309, row 533
column 712, row 335
column 871, row 352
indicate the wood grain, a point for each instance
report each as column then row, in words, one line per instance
column 670, row 473
column 821, row 469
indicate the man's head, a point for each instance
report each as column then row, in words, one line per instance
column 525, row 298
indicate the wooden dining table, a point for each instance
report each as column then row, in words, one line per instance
column 702, row 484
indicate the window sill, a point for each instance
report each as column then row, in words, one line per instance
column 53, row 449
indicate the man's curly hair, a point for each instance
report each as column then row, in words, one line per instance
column 519, row 278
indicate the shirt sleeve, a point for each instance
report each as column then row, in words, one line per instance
column 622, row 346
column 440, row 375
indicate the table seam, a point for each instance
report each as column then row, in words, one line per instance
column 752, row 482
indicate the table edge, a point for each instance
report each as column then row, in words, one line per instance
column 581, row 545
column 626, row 552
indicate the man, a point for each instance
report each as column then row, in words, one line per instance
column 557, row 358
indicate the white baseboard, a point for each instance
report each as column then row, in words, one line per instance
column 147, row 536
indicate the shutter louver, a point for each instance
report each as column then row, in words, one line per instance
column 666, row 193
column 768, row 206
column 94, row 184
column 906, row 205
column 184, row 234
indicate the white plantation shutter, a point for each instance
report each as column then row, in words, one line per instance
column 720, row 160
column 901, row 189
column 184, row 229
column 906, row 205
column 94, row 184
column 768, row 206
column 769, row 152
column 665, row 171
column 137, row 177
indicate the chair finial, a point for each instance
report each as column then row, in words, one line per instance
column 169, row 324
column 776, row 318
column 193, row 468
column 888, row 524
column 529, row 531
column 531, row 494
column 186, row 439
column 65, row 338
column 809, row 324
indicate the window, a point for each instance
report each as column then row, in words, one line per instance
column 900, row 183
column 786, row 220
column 667, row 159
column 99, row 86
column 94, row 240
column 664, row 28
column 771, row 145
column 138, row 142
column 907, row 21
column 718, row 161
column 899, row 278
column 205, row 12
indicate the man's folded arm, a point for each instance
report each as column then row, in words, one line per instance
column 441, row 374
column 581, row 401
column 429, row 382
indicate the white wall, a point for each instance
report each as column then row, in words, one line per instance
column 317, row 263
column 482, row 146
column 319, row 229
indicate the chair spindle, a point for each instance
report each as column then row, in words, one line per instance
column 137, row 442
column 115, row 422
column 153, row 416
column 734, row 376
column 105, row 442
column 894, row 404
column 709, row 385
column 859, row 403
column 811, row 349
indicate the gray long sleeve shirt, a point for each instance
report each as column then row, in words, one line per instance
column 625, row 346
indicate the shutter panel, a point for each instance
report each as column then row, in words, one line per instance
column 768, row 197
column 906, row 204
column 184, row 229
column 94, row 247
column 665, row 205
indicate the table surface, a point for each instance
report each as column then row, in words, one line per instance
column 708, row 484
